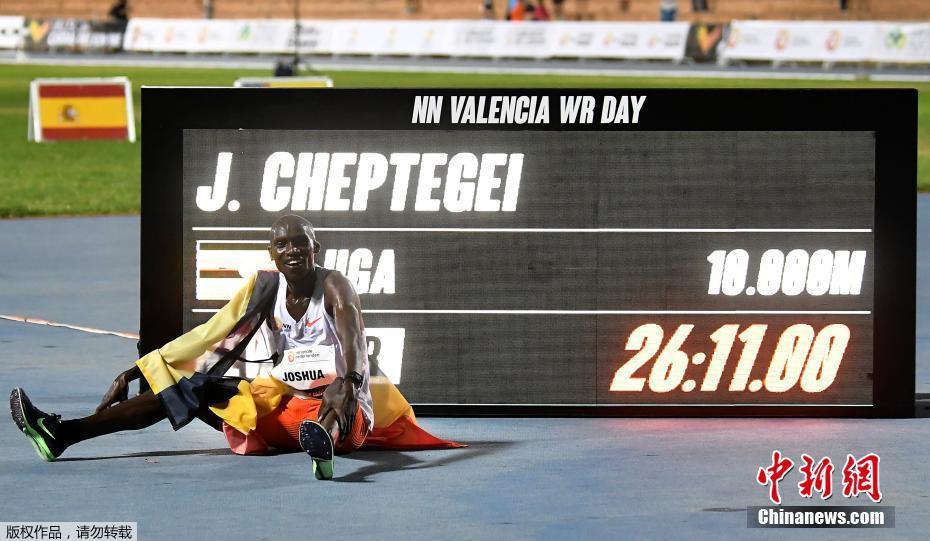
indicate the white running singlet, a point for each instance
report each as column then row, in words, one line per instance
column 315, row 328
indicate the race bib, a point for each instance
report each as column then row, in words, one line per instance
column 307, row 368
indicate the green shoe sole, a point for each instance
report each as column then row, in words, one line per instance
column 323, row 469
column 316, row 442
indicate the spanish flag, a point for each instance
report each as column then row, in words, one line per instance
column 72, row 109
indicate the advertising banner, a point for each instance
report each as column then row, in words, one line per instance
column 704, row 39
column 74, row 35
column 902, row 42
column 773, row 41
column 522, row 40
column 473, row 39
column 413, row 38
column 316, row 37
column 635, row 40
column 799, row 41
column 406, row 38
column 226, row 36
column 184, row 35
column 11, row 32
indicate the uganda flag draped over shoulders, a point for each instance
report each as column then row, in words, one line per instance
column 187, row 376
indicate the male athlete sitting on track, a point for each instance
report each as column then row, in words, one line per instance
column 319, row 395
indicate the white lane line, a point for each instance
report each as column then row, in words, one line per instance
column 47, row 323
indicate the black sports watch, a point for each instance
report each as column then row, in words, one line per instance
column 355, row 378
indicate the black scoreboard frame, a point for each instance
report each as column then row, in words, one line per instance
column 890, row 113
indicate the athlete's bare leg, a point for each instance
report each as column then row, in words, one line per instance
column 138, row 412
column 51, row 436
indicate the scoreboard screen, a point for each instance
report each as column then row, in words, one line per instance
column 610, row 252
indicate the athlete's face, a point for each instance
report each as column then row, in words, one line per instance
column 292, row 249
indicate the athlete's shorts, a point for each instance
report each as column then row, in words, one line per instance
column 281, row 428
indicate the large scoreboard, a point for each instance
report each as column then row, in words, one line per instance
column 609, row 252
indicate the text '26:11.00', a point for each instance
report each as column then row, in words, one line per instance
column 801, row 354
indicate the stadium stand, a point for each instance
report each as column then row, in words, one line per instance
column 641, row 10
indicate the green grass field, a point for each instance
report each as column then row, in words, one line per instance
column 69, row 178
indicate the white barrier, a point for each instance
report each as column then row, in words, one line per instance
column 180, row 35
column 902, row 43
column 662, row 41
column 405, row 38
column 12, row 31
column 779, row 41
column 828, row 42
column 79, row 34
column 413, row 38
column 775, row 41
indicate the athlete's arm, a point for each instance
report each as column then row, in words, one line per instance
column 187, row 346
column 342, row 302
column 119, row 389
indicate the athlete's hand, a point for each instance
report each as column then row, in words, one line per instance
column 119, row 389
column 340, row 399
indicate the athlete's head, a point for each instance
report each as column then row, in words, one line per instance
column 293, row 246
